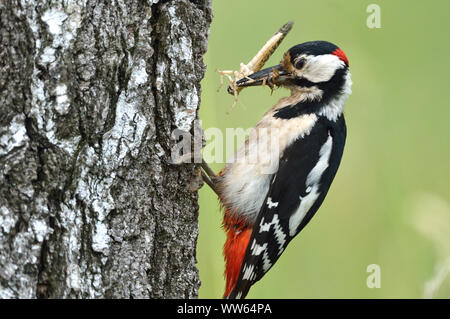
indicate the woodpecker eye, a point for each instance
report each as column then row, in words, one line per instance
column 300, row 63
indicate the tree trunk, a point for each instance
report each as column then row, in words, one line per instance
column 90, row 92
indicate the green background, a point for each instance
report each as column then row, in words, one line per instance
column 389, row 203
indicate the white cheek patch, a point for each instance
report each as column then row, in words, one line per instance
column 321, row 68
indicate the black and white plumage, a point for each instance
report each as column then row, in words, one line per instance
column 297, row 190
column 310, row 132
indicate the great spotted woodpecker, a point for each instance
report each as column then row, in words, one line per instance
column 264, row 210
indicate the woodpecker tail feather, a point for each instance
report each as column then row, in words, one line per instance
column 240, row 291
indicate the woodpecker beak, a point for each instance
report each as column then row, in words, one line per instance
column 274, row 75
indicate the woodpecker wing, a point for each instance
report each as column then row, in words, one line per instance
column 305, row 173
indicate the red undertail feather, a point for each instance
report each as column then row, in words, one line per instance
column 238, row 237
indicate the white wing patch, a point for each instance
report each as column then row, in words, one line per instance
column 303, row 208
column 258, row 249
column 279, row 234
column 312, row 186
column 266, row 262
column 271, row 204
column 324, row 157
column 249, row 274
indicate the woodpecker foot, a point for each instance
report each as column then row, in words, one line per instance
column 208, row 176
column 208, row 169
column 210, row 183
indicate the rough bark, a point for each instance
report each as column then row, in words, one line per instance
column 90, row 92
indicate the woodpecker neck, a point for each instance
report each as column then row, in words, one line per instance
column 333, row 106
column 324, row 99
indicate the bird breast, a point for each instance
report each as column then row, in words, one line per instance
column 245, row 180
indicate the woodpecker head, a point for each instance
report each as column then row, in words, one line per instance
column 319, row 67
